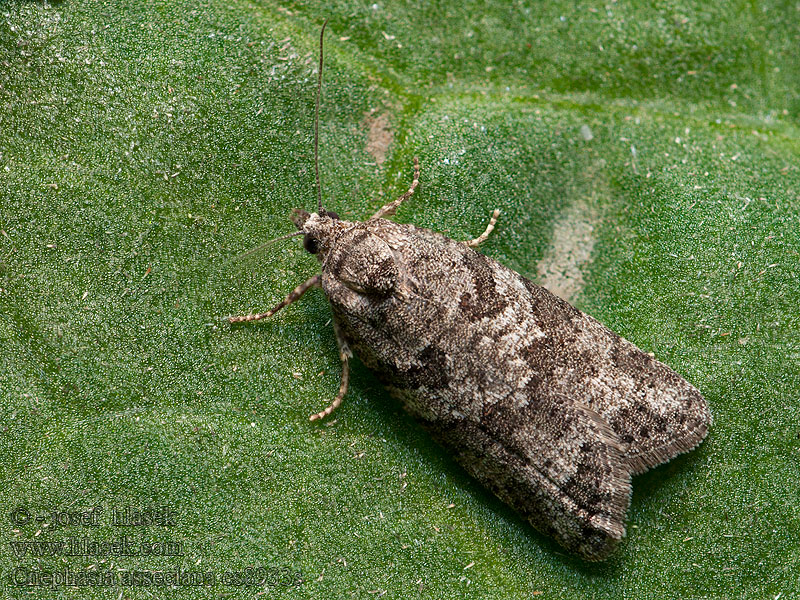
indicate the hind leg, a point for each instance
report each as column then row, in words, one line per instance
column 344, row 354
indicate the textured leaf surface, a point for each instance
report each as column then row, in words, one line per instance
column 644, row 157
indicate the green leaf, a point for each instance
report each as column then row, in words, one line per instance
column 644, row 157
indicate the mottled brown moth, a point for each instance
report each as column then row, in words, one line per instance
column 544, row 405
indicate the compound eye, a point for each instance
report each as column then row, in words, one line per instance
column 332, row 215
column 310, row 243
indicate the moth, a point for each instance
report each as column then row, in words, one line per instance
column 541, row 403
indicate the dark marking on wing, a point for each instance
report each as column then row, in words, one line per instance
column 483, row 300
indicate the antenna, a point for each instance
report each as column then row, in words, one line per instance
column 264, row 245
column 316, row 122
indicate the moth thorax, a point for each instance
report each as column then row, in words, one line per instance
column 364, row 263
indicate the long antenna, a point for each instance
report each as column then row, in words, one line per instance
column 264, row 245
column 316, row 121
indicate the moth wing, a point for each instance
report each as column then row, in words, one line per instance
column 655, row 412
column 553, row 460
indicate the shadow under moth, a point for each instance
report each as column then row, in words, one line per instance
column 544, row 405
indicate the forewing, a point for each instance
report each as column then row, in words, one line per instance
column 654, row 411
column 554, row 461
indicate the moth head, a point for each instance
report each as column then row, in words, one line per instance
column 350, row 253
column 317, row 228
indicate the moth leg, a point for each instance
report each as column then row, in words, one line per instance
column 344, row 354
column 489, row 228
column 389, row 209
column 294, row 295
